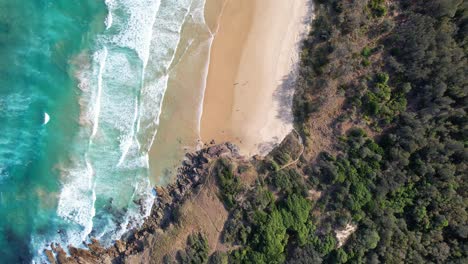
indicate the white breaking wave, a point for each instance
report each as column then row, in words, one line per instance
column 46, row 118
column 109, row 18
column 135, row 29
column 74, row 204
column 101, row 57
column 106, row 189
column 166, row 34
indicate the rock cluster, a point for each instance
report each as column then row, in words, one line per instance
column 190, row 177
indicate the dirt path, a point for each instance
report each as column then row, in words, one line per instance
column 300, row 154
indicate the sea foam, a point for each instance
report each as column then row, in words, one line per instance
column 166, row 36
column 134, row 28
column 106, row 189
column 101, row 57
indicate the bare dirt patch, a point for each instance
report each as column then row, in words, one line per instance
column 343, row 235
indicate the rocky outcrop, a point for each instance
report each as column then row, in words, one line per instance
column 191, row 175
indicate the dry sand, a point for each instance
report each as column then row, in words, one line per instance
column 243, row 99
column 248, row 94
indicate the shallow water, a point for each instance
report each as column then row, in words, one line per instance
column 179, row 128
column 81, row 89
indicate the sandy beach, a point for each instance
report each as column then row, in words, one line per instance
column 230, row 81
column 178, row 131
column 248, row 95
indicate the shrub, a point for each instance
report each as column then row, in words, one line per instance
column 378, row 8
column 366, row 52
column 196, row 251
column 235, row 230
column 365, row 62
column 382, row 77
column 282, row 158
column 288, row 181
column 387, row 25
column 272, row 165
column 230, row 185
column 218, row 258
column 295, row 213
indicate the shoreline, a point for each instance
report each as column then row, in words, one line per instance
column 248, row 96
column 274, row 128
column 237, row 43
column 334, row 188
column 143, row 245
column 178, row 130
column 213, row 12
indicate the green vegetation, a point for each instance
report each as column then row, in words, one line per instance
column 230, row 185
column 295, row 213
column 288, row 181
column 271, row 226
column 381, row 103
column 218, row 258
column 366, row 53
column 400, row 178
column 378, row 7
column 196, row 251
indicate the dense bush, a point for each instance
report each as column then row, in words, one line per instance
column 229, row 184
column 404, row 191
column 383, row 102
column 378, row 7
column 264, row 227
column 403, row 182
column 288, row 181
column 196, row 251
column 218, row 258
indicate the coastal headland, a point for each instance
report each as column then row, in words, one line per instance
column 276, row 142
column 246, row 109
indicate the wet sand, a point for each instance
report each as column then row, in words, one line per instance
column 179, row 126
column 248, row 96
column 226, row 82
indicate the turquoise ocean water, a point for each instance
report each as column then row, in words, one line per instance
column 81, row 87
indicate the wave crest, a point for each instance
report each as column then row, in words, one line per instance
column 106, row 189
